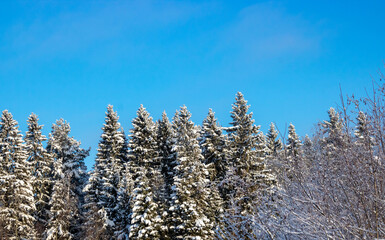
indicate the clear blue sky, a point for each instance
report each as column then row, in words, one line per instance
column 70, row 59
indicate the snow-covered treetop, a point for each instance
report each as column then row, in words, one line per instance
column 33, row 137
column 143, row 137
column 293, row 142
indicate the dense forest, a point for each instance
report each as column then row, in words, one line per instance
column 173, row 179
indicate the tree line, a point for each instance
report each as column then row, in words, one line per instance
column 176, row 180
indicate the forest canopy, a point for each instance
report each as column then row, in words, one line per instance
column 173, row 179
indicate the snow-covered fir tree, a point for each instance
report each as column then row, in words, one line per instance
column 293, row 144
column 146, row 220
column 42, row 169
column 63, row 205
column 363, row 131
column 273, row 143
column 248, row 174
column 213, row 145
column 190, row 208
column 126, row 188
column 103, row 186
column 164, row 140
column 95, row 224
column 16, row 192
column 308, row 151
column 68, row 153
column 333, row 132
column 293, row 163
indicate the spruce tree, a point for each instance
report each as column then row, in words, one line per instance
column 248, row 174
column 213, row 145
column 146, row 221
column 68, row 153
column 273, row 145
column 103, row 186
column 214, row 152
column 164, row 140
column 191, row 194
column 333, row 130
column 363, row 131
column 126, row 188
column 95, row 214
column 16, row 192
column 308, row 151
column 42, row 166
column 294, row 144
column 63, row 206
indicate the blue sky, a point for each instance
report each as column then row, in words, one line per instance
column 71, row 59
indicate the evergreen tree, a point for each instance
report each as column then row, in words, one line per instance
column 16, row 192
column 308, row 151
column 191, row 193
column 63, row 205
column 333, row 131
column 213, row 146
column 164, row 140
column 95, row 225
column 103, row 186
column 363, row 132
column 293, row 143
column 248, row 174
column 273, row 145
column 214, row 151
column 126, row 188
column 70, row 156
column 42, row 165
column 146, row 221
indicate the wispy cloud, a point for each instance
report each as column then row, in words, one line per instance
column 266, row 30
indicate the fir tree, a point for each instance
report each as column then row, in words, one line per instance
column 248, row 174
column 42, row 165
column 63, row 205
column 273, row 145
column 214, row 151
column 293, row 143
column 95, row 214
column 103, row 186
column 213, row 146
column 164, row 137
column 70, row 155
column 308, row 151
column 164, row 140
column 146, row 221
column 363, row 131
column 126, row 188
column 16, row 192
column 191, row 195
column 333, row 130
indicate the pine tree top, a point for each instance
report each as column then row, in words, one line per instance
column 334, row 124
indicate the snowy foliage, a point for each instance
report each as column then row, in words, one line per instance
column 182, row 181
column 213, row 145
column 69, row 166
column 273, row 142
column 16, row 192
column 63, row 206
column 101, row 192
column 248, row 173
column 42, row 171
column 146, row 220
column 190, row 192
